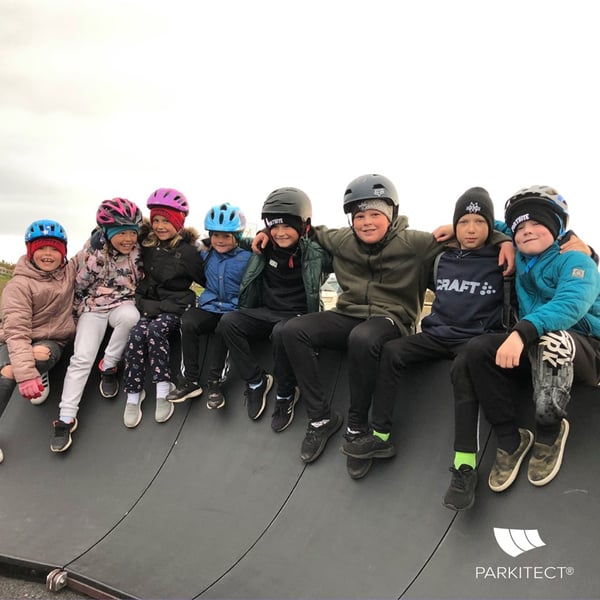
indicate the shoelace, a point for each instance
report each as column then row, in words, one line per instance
column 459, row 480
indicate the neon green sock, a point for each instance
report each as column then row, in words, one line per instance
column 384, row 437
column 465, row 458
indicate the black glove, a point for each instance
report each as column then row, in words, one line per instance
column 97, row 240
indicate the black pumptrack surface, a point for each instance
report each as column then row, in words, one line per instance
column 214, row 505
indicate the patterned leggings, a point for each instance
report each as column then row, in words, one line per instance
column 149, row 340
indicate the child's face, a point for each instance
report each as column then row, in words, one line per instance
column 163, row 228
column 222, row 242
column 533, row 238
column 124, row 241
column 47, row 259
column 284, row 235
column 472, row 232
column 370, row 226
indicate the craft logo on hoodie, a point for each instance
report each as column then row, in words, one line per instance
column 462, row 286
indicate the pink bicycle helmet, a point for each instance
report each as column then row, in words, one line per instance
column 168, row 198
column 117, row 212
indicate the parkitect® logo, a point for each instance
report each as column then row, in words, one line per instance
column 517, row 542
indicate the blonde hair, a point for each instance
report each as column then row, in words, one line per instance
column 153, row 241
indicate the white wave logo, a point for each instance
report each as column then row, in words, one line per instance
column 517, row 541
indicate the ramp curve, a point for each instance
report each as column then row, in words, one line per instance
column 213, row 505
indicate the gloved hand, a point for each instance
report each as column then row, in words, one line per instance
column 31, row 388
column 97, row 239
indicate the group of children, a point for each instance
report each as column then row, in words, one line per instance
column 136, row 278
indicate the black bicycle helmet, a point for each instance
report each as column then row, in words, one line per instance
column 370, row 187
column 288, row 201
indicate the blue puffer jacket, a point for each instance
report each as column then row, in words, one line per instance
column 223, row 274
column 559, row 292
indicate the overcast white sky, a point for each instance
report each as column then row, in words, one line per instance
column 228, row 100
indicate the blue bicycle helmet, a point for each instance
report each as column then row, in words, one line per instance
column 45, row 228
column 225, row 218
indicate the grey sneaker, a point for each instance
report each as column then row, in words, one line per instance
column 545, row 460
column 46, row 382
column 164, row 409
column 506, row 467
column 133, row 412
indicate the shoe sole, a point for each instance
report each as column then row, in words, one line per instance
column 295, row 401
column 354, row 471
column 105, row 395
column 323, row 443
column 264, row 398
column 515, row 471
column 193, row 394
column 386, row 453
column 68, row 444
column 165, row 419
column 216, row 406
column 558, row 464
column 41, row 399
column 459, row 509
column 139, row 419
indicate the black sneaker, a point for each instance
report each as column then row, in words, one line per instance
column 316, row 438
column 109, row 381
column 61, row 440
column 461, row 493
column 283, row 415
column 368, row 446
column 358, row 467
column 256, row 399
column 215, row 395
column 188, row 389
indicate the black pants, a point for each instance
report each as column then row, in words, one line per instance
column 239, row 326
column 399, row 354
column 496, row 388
column 363, row 339
column 196, row 322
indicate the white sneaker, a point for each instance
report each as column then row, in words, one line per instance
column 1, row 455
column 133, row 412
column 164, row 408
column 45, row 393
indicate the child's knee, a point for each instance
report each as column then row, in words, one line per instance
column 41, row 353
column 7, row 371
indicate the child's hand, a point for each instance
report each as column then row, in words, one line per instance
column 509, row 353
column 574, row 243
column 31, row 388
column 506, row 258
column 443, row 233
column 260, row 241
